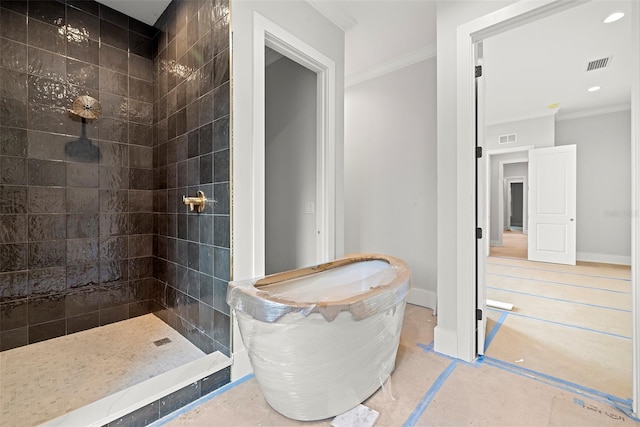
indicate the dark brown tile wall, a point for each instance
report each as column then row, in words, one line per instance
column 76, row 214
column 191, row 153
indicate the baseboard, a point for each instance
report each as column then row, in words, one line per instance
column 422, row 298
column 496, row 243
column 603, row 258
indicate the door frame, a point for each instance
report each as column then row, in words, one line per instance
column 267, row 33
column 468, row 34
column 248, row 151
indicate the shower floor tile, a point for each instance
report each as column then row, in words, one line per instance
column 50, row 378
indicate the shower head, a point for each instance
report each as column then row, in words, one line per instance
column 86, row 107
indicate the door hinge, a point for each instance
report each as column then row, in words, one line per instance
column 478, row 314
column 478, row 152
column 478, row 233
column 478, row 70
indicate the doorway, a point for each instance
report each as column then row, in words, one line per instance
column 290, row 164
column 515, row 203
column 618, row 283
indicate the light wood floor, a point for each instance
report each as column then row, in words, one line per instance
column 429, row 389
column 514, row 245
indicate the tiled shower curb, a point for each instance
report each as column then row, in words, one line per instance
column 154, row 398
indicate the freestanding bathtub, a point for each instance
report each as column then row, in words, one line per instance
column 323, row 339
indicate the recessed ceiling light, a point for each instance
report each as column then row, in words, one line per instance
column 593, row 88
column 613, row 17
column 555, row 105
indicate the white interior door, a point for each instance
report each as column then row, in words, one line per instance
column 552, row 205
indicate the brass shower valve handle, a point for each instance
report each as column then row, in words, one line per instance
column 194, row 203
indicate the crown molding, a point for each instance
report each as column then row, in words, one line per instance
column 395, row 64
column 342, row 20
column 594, row 112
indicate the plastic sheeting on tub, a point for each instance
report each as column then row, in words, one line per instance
column 384, row 287
column 315, row 360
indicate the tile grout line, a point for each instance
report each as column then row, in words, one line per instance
column 558, row 299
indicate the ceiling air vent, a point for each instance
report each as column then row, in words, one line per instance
column 505, row 139
column 598, row 63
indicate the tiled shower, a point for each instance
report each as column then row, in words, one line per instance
column 92, row 225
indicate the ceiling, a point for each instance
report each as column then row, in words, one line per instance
column 526, row 69
column 545, row 62
column 147, row 11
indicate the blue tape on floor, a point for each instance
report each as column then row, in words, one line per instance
column 557, row 283
column 426, row 347
column 555, row 271
column 568, row 325
column 494, row 331
column 529, row 373
column 559, row 299
column 162, row 421
column 428, row 397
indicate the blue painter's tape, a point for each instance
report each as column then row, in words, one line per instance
column 558, row 299
column 494, row 331
column 529, row 373
column 558, row 283
column 568, row 325
column 556, row 271
column 428, row 397
column 426, row 347
column 429, row 349
column 162, row 421
column 578, row 401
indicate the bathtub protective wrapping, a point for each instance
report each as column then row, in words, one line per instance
column 314, row 361
column 243, row 296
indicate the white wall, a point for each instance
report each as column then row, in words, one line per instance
column 450, row 14
column 538, row 132
column 390, row 171
column 603, row 205
column 290, row 166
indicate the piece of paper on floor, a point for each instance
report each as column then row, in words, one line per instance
column 360, row 416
